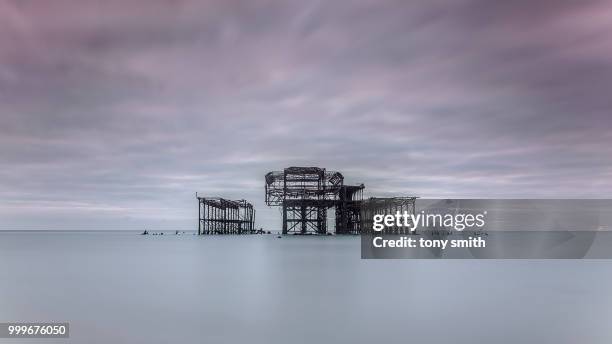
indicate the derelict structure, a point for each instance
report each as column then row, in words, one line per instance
column 305, row 194
column 221, row 216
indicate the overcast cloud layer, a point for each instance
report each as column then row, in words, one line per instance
column 114, row 113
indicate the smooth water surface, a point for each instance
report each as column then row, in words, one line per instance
column 126, row 288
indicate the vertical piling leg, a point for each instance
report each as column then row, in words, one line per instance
column 199, row 216
column 284, row 218
column 304, row 220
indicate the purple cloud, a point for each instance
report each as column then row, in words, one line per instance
column 114, row 113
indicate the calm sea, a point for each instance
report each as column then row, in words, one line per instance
column 125, row 288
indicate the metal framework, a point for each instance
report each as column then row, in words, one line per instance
column 220, row 216
column 348, row 209
column 385, row 206
column 306, row 193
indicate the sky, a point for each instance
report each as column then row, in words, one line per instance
column 113, row 114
